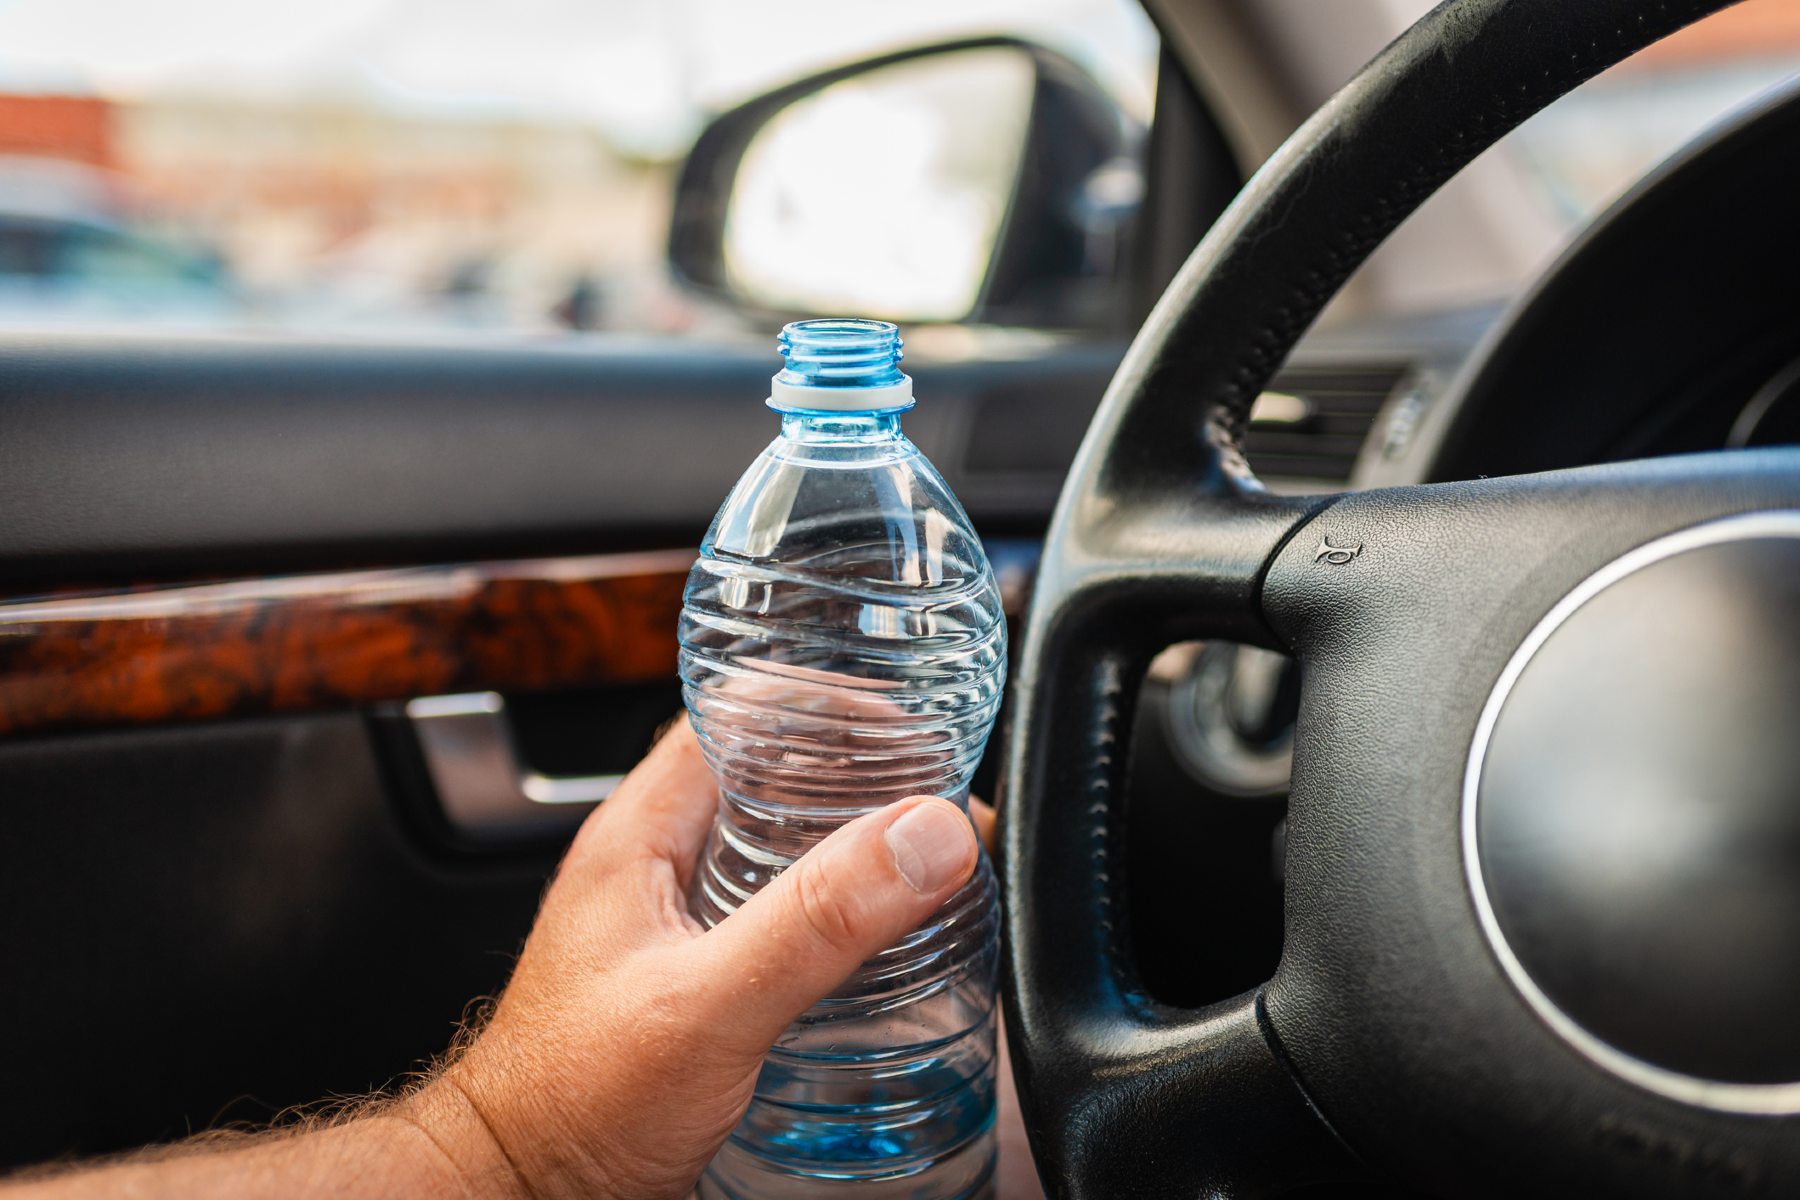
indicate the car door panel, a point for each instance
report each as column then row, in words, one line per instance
column 210, row 923
column 228, row 882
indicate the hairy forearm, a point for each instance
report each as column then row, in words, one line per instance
column 423, row 1145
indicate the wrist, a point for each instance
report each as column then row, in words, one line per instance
column 447, row 1128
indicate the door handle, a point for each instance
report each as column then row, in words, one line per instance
column 488, row 794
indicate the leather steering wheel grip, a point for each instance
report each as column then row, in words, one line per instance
column 1162, row 533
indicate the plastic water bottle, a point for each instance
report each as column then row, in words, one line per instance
column 843, row 647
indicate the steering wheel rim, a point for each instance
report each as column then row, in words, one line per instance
column 1163, row 534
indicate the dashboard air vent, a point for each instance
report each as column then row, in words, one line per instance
column 1312, row 422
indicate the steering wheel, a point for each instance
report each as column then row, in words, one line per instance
column 1543, row 853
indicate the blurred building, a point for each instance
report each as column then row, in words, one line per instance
column 338, row 211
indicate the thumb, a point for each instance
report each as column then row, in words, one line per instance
column 853, row 895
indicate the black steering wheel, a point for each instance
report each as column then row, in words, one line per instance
column 1543, row 852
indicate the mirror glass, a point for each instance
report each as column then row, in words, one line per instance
column 883, row 195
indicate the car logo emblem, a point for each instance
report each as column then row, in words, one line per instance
column 1337, row 556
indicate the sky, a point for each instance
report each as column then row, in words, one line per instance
column 646, row 73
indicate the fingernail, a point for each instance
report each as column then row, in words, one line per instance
column 930, row 844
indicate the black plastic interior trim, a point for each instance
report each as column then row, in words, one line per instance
column 123, row 456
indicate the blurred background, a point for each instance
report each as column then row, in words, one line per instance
column 389, row 166
column 358, row 164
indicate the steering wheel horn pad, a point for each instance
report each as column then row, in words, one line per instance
column 1390, row 1041
column 1629, row 822
column 1390, row 1002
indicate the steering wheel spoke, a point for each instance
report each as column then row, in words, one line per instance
column 1217, row 1068
column 1104, row 1055
column 1185, row 566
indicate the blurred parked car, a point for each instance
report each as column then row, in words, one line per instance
column 68, row 254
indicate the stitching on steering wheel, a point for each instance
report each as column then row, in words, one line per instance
column 1103, row 754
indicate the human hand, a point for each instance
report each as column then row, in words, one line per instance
column 625, row 1048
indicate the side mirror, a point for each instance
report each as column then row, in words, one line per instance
column 988, row 180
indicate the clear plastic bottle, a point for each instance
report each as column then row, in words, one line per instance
column 843, row 647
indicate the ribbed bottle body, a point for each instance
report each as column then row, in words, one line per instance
column 843, row 647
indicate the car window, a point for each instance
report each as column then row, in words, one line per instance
column 394, row 165
column 1503, row 219
column 1588, row 148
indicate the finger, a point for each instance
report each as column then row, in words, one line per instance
column 982, row 814
column 853, row 895
column 663, row 809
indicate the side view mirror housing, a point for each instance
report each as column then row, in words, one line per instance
column 988, row 180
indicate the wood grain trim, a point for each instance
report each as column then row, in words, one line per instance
column 334, row 641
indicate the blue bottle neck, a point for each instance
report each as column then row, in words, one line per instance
column 841, row 376
column 840, row 427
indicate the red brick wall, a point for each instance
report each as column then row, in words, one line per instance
column 70, row 127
